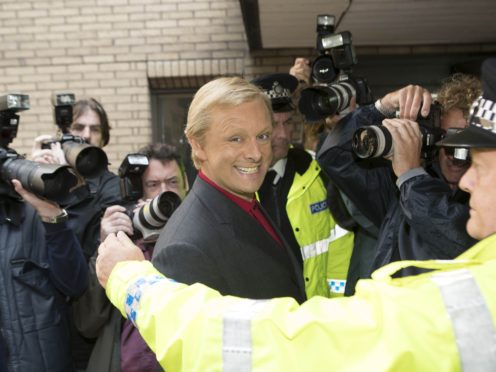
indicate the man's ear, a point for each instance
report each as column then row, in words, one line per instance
column 197, row 148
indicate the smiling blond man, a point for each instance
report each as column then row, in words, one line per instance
column 220, row 236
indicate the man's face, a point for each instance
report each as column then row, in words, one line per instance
column 281, row 135
column 480, row 181
column 235, row 152
column 451, row 168
column 89, row 127
column 162, row 176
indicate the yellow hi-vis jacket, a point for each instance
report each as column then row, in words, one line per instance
column 326, row 248
column 443, row 320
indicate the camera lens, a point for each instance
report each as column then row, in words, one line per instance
column 372, row 142
column 86, row 159
column 51, row 181
column 153, row 216
column 323, row 70
column 322, row 101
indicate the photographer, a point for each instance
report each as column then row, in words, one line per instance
column 42, row 263
column 119, row 346
column 419, row 214
column 85, row 204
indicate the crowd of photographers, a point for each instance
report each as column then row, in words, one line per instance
column 374, row 188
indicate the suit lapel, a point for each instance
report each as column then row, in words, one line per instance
column 244, row 228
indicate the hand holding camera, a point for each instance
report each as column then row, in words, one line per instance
column 115, row 219
column 407, row 147
column 408, row 100
column 52, row 155
column 301, row 70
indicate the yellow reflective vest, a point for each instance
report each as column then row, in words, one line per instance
column 326, row 248
column 443, row 320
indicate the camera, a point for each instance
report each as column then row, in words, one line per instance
column 335, row 85
column 375, row 140
column 151, row 217
column 88, row 160
column 319, row 102
column 50, row 181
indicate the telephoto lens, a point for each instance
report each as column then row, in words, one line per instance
column 373, row 141
column 319, row 102
column 51, row 181
column 152, row 217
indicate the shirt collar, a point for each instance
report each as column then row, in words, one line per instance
column 243, row 204
column 279, row 167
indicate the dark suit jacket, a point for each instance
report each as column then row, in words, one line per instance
column 211, row 240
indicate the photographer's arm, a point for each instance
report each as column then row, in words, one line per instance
column 368, row 184
column 67, row 266
column 429, row 207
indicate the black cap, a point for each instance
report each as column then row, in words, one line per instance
column 481, row 132
column 279, row 88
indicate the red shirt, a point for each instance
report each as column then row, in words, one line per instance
column 251, row 207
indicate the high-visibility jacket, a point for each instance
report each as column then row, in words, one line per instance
column 439, row 321
column 325, row 247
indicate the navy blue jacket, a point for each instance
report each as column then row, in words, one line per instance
column 423, row 220
column 41, row 265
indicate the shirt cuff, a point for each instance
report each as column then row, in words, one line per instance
column 410, row 174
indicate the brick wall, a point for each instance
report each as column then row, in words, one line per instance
column 108, row 49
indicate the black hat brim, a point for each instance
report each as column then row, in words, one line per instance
column 470, row 137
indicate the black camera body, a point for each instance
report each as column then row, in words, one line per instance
column 149, row 220
column 335, row 85
column 50, row 181
column 375, row 140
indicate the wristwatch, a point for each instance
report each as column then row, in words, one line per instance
column 62, row 217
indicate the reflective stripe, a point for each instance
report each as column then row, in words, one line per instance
column 322, row 246
column 236, row 337
column 472, row 321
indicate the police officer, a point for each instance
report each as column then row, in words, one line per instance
column 294, row 193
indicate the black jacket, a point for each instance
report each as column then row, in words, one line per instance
column 425, row 219
column 86, row 205
column 209, row 239
column 41, row 264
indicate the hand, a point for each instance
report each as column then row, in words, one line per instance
column 43, row 207
column 409, row 100
column 407, row 144
column 301, row 70
column 54, row 155
column 114, row 220
column 112, row 251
